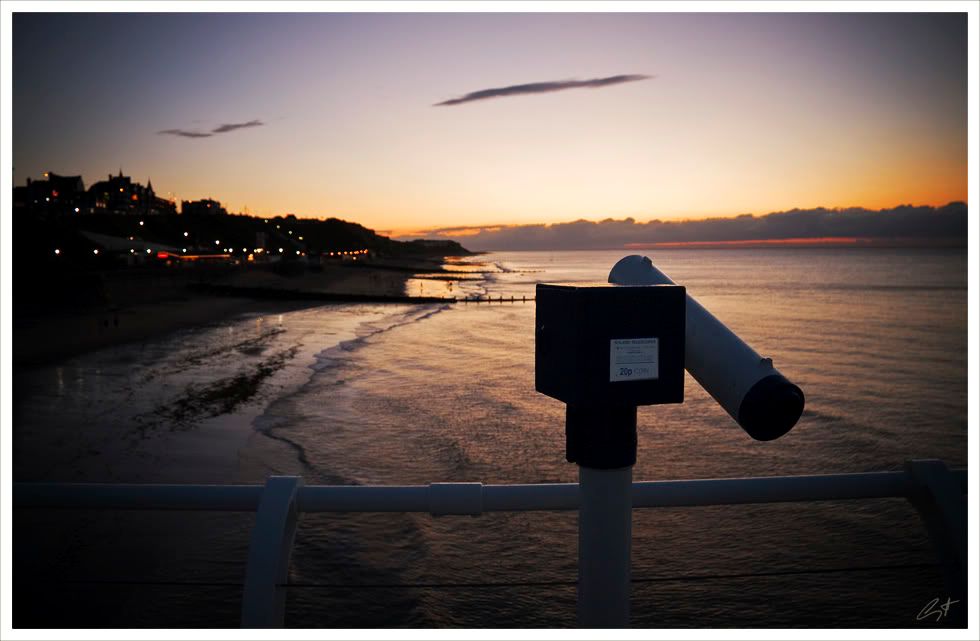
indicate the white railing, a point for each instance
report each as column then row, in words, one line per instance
column 938, row 493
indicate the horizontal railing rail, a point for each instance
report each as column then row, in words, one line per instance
column 437, row 498
column 937, row 493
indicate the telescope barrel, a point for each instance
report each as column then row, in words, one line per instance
column 760, row 399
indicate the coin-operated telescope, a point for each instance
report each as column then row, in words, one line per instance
column 745, row 384
column 605, row 348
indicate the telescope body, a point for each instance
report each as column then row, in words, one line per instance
column 753, row 392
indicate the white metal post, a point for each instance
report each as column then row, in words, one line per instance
column 941, row 503
column 604, row 535
column 264, row 598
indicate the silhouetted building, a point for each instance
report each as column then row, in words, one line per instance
column 158, row 205
column 205, row 207
column 120, row 195
column 54, row 194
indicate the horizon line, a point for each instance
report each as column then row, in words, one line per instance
column 463, row 231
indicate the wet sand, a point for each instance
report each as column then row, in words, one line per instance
column 133, row 315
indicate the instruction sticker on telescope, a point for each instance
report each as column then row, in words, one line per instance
column 633, row 359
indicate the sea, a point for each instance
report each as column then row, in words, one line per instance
column 402, row 394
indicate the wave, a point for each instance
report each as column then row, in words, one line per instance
column 334, row 358
column 331, row 356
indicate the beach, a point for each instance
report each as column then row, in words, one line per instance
column 143, row 305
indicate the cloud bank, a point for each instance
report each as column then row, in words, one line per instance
column 541, row 87
column 220, row 129
column 904, row 224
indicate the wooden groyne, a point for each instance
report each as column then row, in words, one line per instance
column 499, row 299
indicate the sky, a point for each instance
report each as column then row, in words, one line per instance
column 647, row 116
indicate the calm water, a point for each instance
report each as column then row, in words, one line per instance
column 375, row 395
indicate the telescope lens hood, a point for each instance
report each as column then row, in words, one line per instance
column 770, row 408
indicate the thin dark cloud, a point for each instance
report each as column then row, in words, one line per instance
column 183, row 133
column 220, row 129
column 542, row 87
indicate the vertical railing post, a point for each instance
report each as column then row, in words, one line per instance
column 604, row 538
column 264, row 598
column 942, row 505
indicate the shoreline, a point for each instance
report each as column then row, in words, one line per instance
column 138, row 308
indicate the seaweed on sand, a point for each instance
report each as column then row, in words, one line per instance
column 223, row 396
